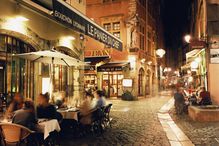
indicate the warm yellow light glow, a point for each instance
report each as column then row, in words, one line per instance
column 67, row 41
column 16, row 24
column 189, row 72
column 187, row 38
column 45, row 85
column 143, row 60
column 190, row 79
column 70, row 38
column 160, row 52
column 132, row 60
column 194, row 65
column 149, row 62
column 21, row 19
column 198, row 59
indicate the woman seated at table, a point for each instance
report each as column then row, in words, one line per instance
column 26, row 116
column 45, row 110
column 99, row 100
column 16, row 104
column 85, row 108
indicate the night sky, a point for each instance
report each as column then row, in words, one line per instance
column 176, row 18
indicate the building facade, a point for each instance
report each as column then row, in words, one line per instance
column 204, row 32
column 137, row 24
column 36, row 25
column 28, row 27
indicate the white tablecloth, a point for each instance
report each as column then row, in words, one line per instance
column 69, row 114
column 48, row 126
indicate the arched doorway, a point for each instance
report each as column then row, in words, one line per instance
column 147, row 87
column 17, row 74
column 140, row 82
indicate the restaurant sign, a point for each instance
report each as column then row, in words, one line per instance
column 71, row 17
column 97, row 53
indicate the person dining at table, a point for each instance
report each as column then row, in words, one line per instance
column 99, row 100
column 205, row 97
column 85, row 108
column 26, row 116
column 16, row 104
column 45, row 110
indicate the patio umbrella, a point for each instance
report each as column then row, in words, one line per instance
column 51, row 57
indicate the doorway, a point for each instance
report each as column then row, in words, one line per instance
column 140, row 82
column 112, row 84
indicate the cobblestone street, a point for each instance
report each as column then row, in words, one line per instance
column 134, row 123
column 201, row 134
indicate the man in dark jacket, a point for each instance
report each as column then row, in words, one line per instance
column 179, row 101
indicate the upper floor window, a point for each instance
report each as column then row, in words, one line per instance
column 116, row 26
column 107, row 26
column 142, row 37
column 113, row 27
column 116, row 34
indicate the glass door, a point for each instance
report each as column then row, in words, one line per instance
column 112, row 84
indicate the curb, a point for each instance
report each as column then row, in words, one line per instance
column 174, row 134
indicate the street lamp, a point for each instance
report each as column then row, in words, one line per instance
column 187, row 38
column 160, row 52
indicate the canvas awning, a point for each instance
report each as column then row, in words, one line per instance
column 95, row 60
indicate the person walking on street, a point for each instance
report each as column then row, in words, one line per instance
column 179, row 101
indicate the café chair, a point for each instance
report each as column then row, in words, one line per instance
column 15, row 134
column 107, row 120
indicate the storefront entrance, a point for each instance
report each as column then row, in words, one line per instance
column 112, row 84
column 16, row 74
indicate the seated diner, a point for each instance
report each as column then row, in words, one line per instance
column 99, row 100
column 85, row 108
column 26, row 116
column 45, row 110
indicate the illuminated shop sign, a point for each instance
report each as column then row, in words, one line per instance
column 97, row 53
column 71, row 17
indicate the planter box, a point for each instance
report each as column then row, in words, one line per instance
column 203, row 114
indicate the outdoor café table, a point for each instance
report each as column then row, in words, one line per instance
column 46, row 126
column 71, row 113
